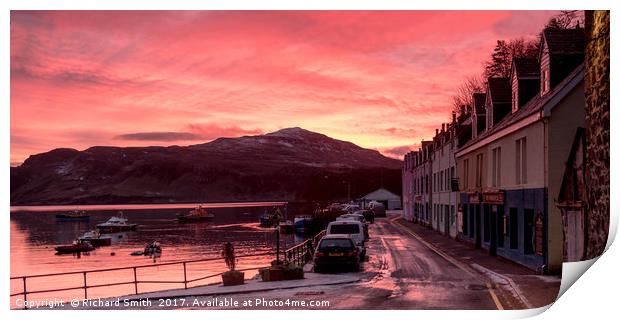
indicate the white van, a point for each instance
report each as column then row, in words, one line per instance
column 351, row 227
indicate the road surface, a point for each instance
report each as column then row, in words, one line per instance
column 401, row 273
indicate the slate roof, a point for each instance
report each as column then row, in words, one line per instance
column 535, row 105
column 565, row 41
column 526, row 67
column 500, row 90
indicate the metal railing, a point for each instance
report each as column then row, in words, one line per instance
column 302, row 253
column 185, row 282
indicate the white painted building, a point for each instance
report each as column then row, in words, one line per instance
column 390, row 200
column 444, row 199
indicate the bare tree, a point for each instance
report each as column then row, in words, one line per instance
column 566, row 20
column 465, row 91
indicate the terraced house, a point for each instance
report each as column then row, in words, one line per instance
column 509, row 168
column 444, row 196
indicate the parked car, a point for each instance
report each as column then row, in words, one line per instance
column 354, row 229
column 336, row 251
column 355, row 217
column 369, row 215
column 378, row 208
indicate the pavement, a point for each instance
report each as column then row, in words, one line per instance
column 408, row 267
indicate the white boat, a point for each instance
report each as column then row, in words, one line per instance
column 303, row 223
column 116, row 224
column 96, row 238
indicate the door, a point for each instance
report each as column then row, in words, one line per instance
column 478, row 225
column 574, row 240
column 528, row 231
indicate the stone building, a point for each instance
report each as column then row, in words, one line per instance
column 597, row 178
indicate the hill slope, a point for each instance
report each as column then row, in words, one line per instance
column 291, row 164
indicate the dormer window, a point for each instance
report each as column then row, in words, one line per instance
column 545, row 82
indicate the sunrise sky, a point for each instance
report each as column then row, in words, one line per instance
column 382, row 80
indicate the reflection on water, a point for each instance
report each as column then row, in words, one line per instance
column 35, row 234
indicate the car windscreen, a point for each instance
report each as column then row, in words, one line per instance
column 336, row 243
column 344, row 229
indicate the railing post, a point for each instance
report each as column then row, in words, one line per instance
column 135, row 279
column 85, row 286
column 25, row 293
column 185, row 275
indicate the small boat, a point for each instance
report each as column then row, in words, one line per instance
column 96, row 239
column 198, row 214
column 116, row 224
column 270, row 219
column 76, row 215
column 303, row 223
column 286, row 226
column 152, row 248
column 75, row 247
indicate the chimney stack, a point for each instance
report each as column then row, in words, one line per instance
column 453, row 117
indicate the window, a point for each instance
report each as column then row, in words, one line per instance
column 521, row 161
column 466, row 174
column 497, row 170
column 441, row 174
column 515, row 104
column 479, row 170
column 487, row 223
column 545, row 81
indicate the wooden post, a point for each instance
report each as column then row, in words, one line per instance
column 25, row 293
column 85, row 286
column 277, row 246
column 185, row 275
column 135, row 279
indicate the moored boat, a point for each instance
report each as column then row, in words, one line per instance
column 76, row 215
column 197, row 214
column 153, row 248
column 75, row 247
column 96, row 238
column 303, row 223
column 270, row 219
column 116, row 224
column 286, row 226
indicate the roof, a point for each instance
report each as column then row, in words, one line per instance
column 535, row 105
column 479, row 99
column 381, row 194
column 526, row 67
column 565, row 41
column 336, row 236
column 499, row 90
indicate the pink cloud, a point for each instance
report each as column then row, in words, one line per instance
column 182, row 76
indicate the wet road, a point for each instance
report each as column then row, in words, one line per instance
column 401, row 273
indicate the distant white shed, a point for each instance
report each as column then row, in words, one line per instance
column 390, row 200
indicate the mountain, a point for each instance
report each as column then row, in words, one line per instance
column 291, row 164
